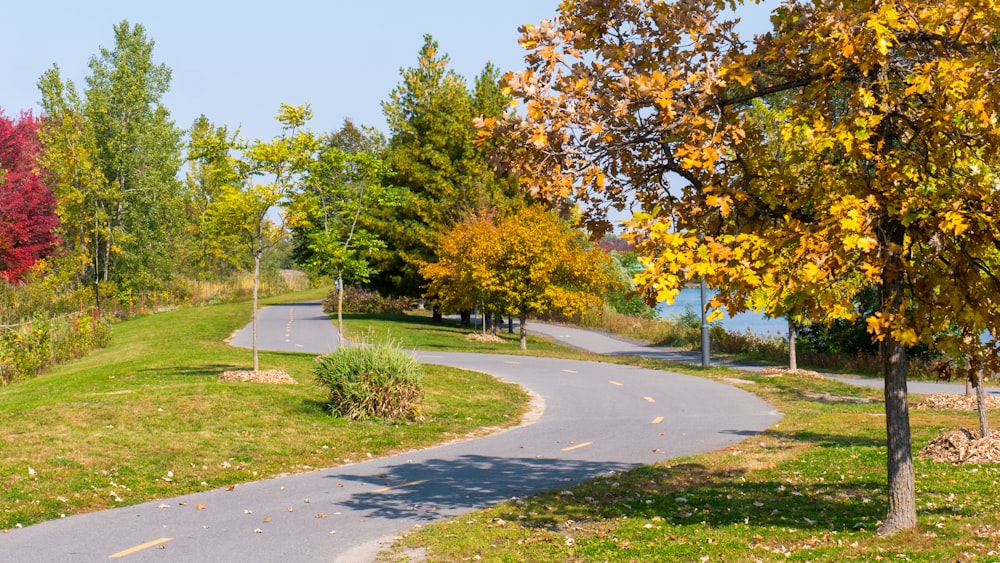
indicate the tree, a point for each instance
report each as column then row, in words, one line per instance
column 27, row 207
column 432, row 155
column 242, row 211
column 211, row 173
column 343, row 185
column 527, row 262
column 893, row 106
column 125, row 192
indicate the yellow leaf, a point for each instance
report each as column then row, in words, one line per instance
column 907, row 337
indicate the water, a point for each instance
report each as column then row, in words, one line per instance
column 758, row 324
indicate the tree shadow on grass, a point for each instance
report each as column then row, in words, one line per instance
column 209, row 370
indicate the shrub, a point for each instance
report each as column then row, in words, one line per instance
column 664, row 332
column 28, row 348
column 359, row 300
column 371, row 381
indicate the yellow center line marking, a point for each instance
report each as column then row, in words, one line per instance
column 569, row 371
column 581, row 445
column 618, row 384
column 658, row 420
column 649, row 399
column 132, row 550
column 410, row 484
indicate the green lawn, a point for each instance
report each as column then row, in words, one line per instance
column 812, row 488
column 415, row 330
column 146, row 418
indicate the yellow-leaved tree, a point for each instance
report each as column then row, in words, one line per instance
column 528, row 261
column 887, row 113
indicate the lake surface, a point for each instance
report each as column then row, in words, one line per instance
column 690, row 298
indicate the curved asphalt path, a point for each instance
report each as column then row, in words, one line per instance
column 594, row 418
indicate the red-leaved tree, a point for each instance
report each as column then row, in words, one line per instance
column 27, row 207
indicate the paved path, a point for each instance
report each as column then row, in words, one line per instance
column 593, row 418
column 603, row 343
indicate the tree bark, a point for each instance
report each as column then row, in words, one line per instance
column 902, row 487
column 436, row 316
column 466, row 317
column 256, row 285
column 984, row 423
column 523, row 317
column 792, row 360
column 340, row 308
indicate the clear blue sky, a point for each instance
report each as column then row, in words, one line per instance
column 236, row 62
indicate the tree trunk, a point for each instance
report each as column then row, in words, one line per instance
column 902, row 488
column 466, row 317
column 340, row 308
column 984, row 423
column 523, row 317
column 256, row 285
column 436, row 316
column 792, row 360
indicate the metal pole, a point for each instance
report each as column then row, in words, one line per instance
column 706, row 354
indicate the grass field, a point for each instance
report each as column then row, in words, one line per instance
column 147, row 418
column 812, row 488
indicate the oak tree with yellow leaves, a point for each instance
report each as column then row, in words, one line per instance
column 892, row 107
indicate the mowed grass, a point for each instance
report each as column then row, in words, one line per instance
column 415, row 330
column 147, row 418
column 812, row 488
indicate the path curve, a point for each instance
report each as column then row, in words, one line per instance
column 597, row 418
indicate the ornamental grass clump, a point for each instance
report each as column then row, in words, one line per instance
column 371, row 381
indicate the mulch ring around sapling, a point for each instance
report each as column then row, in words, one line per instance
column 772, row 371
column 479, row 337
column 260, row 376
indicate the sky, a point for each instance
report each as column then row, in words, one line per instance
column 236, row 62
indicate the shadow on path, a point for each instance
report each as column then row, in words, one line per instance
column 432, row 487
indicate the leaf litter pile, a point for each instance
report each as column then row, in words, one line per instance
column 962, row 445
column 260, row 376
column 949, row 401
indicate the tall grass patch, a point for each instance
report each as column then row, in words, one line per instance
column 371, row 381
